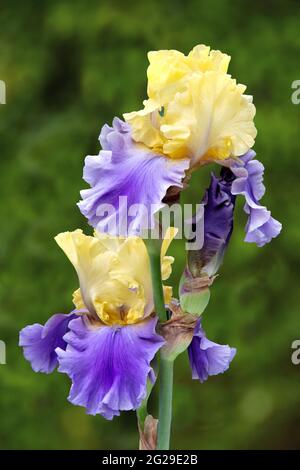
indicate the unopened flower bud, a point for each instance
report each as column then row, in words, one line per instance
column 218, row 223
column 194, row 292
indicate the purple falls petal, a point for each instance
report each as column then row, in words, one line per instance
column 109, row 365
column 249, row 175
column 261, row 226
column 126, row 174
column 208, row 358
column 39, row 342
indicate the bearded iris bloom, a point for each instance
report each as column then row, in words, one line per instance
column 107, row 343
column 196, row 113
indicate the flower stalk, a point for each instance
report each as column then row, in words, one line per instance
column 154, row 248
column 166, row 365
column 165, row 403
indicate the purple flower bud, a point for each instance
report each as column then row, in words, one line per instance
column 218, row 224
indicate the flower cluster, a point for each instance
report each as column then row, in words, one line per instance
column 196, row 114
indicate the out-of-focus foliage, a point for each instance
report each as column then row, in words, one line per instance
column 70, row 67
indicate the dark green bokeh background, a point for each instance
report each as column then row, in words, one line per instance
column 70, row 67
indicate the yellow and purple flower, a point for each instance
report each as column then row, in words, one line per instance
column 196, row 113
column 107, row 343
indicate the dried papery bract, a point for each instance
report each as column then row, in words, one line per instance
column 148, row 435
column 178, row 331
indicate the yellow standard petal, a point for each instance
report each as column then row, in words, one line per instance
column 195, row 110
column 169, row 70
column 211, row 120
column 114, row 275
column 78, row 300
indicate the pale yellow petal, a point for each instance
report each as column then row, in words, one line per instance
column 169, row 236
column 211, row 120
column 195, row 110
column 206, row 59
column 145, row 124
column 166, row 267
column 166, row 69
column 110, row 243
column 114, row 275
column 77, row 300
column 170, row 69
column 168, row 293
column 167, row 261
column 93, row 263
column 133, row 263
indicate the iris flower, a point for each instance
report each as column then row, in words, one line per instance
column 107, row 343
column 196, row 113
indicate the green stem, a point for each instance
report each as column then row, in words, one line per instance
column 153, row 247
column 165, row 404
column 142, row 411
column 166, row 366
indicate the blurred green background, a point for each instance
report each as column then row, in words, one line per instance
column 71, row 66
